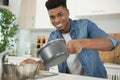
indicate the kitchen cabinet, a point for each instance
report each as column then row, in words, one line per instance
column 33, row 14
column 42, row 18
column 71, row 7
column 96, row 7
column 15, row 7
column 27, row 13
column 111, row 56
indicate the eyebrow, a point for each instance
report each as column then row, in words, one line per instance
column 57, row 14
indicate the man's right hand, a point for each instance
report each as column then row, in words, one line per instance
column 31, row 61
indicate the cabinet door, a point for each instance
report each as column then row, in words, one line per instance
column 14, row 6
column 71, row 7
column 97, row 7
column 27, row 13
column 42, row 18
column 33, row 14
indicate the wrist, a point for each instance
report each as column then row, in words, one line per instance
column 83, row 43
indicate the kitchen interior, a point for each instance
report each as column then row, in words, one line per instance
column 35, row 27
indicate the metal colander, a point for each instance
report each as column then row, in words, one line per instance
column 19, row 72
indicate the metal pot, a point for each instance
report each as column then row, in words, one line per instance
column 54, row 52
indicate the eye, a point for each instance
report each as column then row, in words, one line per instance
column 52, row 17
column 60, row 15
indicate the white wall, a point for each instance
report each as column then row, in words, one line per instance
column 23, row 39
column 27, row 36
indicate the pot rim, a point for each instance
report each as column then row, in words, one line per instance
column 49, row 44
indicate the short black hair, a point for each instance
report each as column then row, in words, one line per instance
column 50, row 4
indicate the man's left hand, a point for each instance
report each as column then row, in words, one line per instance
column 75, row 46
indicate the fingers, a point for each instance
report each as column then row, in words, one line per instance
column 74, row 47
column 42, row 66
column 29, row 61
column 71, row 47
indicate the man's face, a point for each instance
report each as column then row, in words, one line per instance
column 59, row 18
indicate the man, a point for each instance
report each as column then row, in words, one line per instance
column 84, row 40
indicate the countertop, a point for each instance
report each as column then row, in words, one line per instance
column 112, row 65
column 62, row 76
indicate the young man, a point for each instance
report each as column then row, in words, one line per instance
column 83, row 38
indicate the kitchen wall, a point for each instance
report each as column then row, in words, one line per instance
column 28, row 37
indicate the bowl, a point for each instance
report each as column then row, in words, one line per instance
column 19, row 72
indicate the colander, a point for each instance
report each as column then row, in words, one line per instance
column 19, row 72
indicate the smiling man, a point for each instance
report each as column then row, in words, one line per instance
column 84, row 39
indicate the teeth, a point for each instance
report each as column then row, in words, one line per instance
column 59, row 25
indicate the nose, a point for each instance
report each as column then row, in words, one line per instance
column 57, row 20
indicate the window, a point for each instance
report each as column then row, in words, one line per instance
column 4, row 2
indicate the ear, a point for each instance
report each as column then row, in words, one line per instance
column 68, row 13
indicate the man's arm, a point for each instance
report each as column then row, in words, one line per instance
column 101, row 44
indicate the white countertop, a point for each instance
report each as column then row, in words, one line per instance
column 112, row 69
column 109, row 66
column 62, row 76
column 70, row 77
column 112, row 65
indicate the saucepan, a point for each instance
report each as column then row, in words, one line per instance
column 54, row 52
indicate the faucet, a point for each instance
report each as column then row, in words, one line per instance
column 2, row 56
